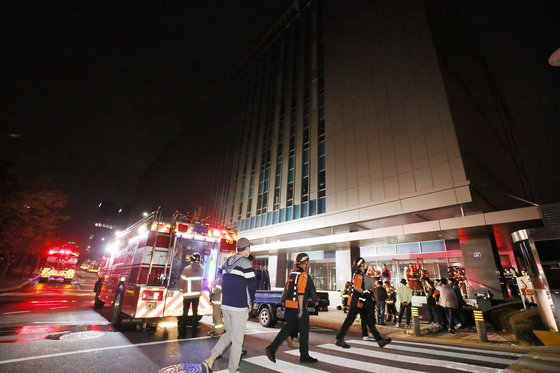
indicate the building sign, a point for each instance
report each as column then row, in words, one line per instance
column 477, row 254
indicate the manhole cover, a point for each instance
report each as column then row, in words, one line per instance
column 81, row 335
column 181, row 368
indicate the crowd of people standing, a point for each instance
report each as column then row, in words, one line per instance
column 444, row 298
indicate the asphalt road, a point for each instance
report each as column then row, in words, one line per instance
column 53, row 328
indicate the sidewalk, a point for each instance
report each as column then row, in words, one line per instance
column 12, row 283
column 466, row 337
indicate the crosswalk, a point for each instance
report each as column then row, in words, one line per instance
column 397, row 357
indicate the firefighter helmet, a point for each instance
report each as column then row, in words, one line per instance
column 303, row 257
column 195, row 257
column 359, row 261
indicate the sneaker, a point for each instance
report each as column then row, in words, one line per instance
column 365, row 338
column 452, row 331
column 384, row 342
column 296, row 339
column 370, row 336
column 407, row 326
column 342, row 343
column 397, row 325
column 382, row 323
column 243, row 353
column 458, row 326
column 270, row 354
column 307, row 359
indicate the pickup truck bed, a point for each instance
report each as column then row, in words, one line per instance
column 268, row 308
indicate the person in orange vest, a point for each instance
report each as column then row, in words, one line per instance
column 358, row 299
column 296, row 295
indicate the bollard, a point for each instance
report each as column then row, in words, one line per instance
column 416, row 322
column 480, row 326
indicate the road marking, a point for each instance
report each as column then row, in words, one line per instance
column 431, row 351
column 416, row 360
column 32, row 335
column 352, row 364
column 73, row 323
column 280, row 366
column 9, row 313
column 461, row 348
column 57, row 308
column 256, row 331
column 97, row 349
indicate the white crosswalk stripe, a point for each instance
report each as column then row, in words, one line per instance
column 422, row 344
column 280, row 366
column 352, row 364
column 416, row 360
column 432, row 350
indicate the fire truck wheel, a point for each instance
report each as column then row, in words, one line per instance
column 117, row 306
column 67, row 280
column 43, row 279
column 266, row 319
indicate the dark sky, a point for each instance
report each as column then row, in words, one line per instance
column 96, row 90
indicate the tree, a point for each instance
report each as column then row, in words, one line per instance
column 29, row 216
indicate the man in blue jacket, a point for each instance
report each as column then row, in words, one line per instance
column 238, row 295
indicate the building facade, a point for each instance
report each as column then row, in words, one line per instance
column 370, row 128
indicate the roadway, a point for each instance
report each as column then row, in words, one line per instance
column 53, row 327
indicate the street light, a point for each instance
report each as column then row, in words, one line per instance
column 145, row 214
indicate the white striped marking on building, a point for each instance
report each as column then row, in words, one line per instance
column 432, row 351
column 503, row 353
column 352, row 364
column 415, row 360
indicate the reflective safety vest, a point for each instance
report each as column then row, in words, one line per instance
column 354, row 298
column 191, row 280
column 297, row 282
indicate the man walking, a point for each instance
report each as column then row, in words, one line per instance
column 297, row 292
column 191, row 286
column 404, row 294
column 358, row 298
column 238, row 295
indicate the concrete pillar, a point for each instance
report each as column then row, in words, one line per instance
column 480, row 265
column 273, row 269
column 343, row 267
column 281, row 263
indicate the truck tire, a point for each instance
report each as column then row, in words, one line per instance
column 43, row 279
column 67, row 280
column 117, row 306
column 266, row 318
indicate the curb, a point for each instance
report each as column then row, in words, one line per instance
column 17, row 287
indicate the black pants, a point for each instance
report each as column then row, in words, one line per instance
column 408, row 313
column 194, row 322
column 291, row 322
column 351, row 316
column 370, row 319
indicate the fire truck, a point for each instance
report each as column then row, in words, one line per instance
column 140, row 279
column 60, row 264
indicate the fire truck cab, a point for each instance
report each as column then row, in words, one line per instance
column 140, row 279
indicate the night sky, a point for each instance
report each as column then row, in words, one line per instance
column 96, row 90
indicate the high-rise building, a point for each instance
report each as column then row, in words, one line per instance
column 366, row 128
column 110, row 218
